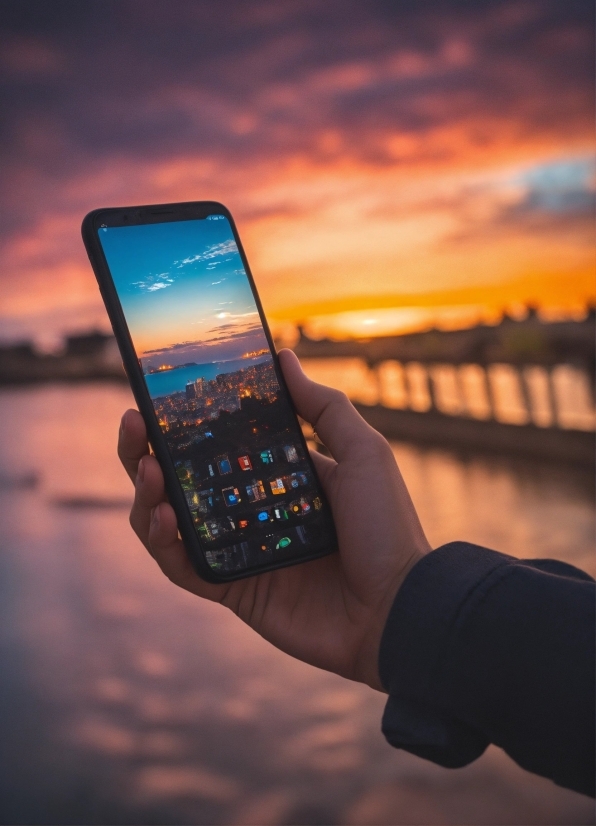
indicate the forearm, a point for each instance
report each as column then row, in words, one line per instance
column 483, row 648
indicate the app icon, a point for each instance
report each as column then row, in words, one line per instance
column 266, row 457
column 280, row 513
column 300, row 506
column 277, row 486
column 205, row 500
column 245, row 463
column 317, row 503
column 214, row 528
column 263, row 516
column 283, row 542
column 242, row 524
column 255, row 491
column 224, row 466
column 291, row 453
column 231, row 496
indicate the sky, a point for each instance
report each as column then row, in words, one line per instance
column 382, row 160
column 184, row 291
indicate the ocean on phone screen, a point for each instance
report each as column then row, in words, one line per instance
column 164, row 382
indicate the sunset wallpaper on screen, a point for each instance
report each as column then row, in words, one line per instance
column 389, row 165
column 185, row 294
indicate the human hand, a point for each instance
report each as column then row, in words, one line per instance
column 329, row 612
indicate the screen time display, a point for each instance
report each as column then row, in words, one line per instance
column 209, row 371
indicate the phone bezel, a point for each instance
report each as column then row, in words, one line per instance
column 160, row 213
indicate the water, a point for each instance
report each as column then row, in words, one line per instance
column 174, row 381
column 127, row 700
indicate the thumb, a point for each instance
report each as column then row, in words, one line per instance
column 333, row 416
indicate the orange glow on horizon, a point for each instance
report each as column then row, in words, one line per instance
column 439, row 223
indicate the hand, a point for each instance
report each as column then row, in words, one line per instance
column 329, row 612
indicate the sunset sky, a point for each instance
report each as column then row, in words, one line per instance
column 184, row 291
column 382, row 159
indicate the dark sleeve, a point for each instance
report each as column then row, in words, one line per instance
column 481, row 648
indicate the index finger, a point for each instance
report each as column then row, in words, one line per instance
column 132, row 442
column 336, row 420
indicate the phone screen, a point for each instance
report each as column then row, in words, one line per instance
column 207, row 365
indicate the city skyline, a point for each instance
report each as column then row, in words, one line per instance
column 184, row 292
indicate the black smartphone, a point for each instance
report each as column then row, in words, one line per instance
column 203, row 369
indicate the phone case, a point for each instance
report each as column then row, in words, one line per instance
column 135, row 377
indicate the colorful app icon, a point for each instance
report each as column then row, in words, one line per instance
column 245, row 463
column 231, row 496
column 224, row 465
column 283, row 542
column 266, row 457
column 242, row 524
column 277, row 487
column 255, row 491
column 291, row 453
column 300, row 506
column 263, row 516
column 280, row 513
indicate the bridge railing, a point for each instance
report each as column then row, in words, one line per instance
column 559, row 396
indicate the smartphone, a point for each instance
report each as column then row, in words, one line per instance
column 205, row 375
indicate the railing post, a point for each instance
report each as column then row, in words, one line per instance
column 407, row 387
column 490, row 396
column 432, row 390
column 552, row 396
column 461, row 392
column 525, row 393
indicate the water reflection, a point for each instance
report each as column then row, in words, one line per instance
column 126, row 700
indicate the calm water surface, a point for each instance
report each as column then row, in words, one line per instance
column 126, row 700
column 175, row 381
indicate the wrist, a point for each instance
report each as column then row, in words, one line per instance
column 367, row 661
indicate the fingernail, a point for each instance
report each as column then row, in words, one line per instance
column 155, row 517
column 141, row 470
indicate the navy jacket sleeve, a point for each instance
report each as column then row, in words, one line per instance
column 481, row 648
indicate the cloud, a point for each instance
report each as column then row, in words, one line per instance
column 154, row 282
column 213, row 251
column 229, row 342
column 320, row 124
column 562, row 186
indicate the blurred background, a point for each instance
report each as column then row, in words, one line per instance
column 414, row 185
